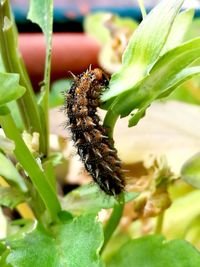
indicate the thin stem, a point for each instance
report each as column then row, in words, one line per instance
column 142, row 8
column 110, row 121
column 113, row 221
column 159, row 224
column 44, row 101
column 30, row 165
column 13, row 63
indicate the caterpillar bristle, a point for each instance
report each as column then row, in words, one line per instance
column 90, row 138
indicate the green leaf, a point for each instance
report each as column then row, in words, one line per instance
column 4, row 110
column 153, row 87
column 13, row 63
column 89, row 198
column 30, row 165
column 11, row 175
column 187, row 92
column 179, row 29
column 144, row 47
column 2, row 248
column 94, row 25
column 155, row 251
column 194, row 29
column 10, row 89
column 57, row 89
column 180, row 78
column 70, row 244
column 190, row 172
column 41, row 12
column 10, row 197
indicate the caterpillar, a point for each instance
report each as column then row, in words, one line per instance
column 94, row 147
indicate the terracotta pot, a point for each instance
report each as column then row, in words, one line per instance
column 70, row 52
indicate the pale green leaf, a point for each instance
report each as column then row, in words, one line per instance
column 177, row 80
column 171, row 68
column 11, row 175
column 190, row 172
column 180, row 78
column 74, row 243
column 155, row 251
column 10, row 197
column 179, row 29
column 10, row 89
column 144, row 47
column 40, row 12
column 57, row 90
column 89, row 198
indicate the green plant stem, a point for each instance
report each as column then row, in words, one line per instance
column 142, row 8
column 45, row 88
column 30, row 165
column 13, row 63
column 110, row 121
column 113, row 221
column 44, row 102
column 159, row 224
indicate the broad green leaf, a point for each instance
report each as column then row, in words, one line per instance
column 180, row 78
column 179, row 30
column 94, row 25
column 11, row 175
column 89, row 198
column 31, row 166
column 10, row 197
column 41, row 12
column 58, row 88
column 190, row 172
column 75, row 243
column 155, row 251
column 144, row 47
column 10, row 89
column 152, row 87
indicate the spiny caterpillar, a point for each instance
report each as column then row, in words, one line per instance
column 90, row 137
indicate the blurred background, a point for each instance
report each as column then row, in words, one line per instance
column 69, row 14
column 72, row 49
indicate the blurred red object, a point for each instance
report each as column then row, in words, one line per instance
column 70, row 52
